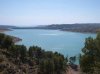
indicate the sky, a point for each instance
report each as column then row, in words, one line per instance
column 45, row 12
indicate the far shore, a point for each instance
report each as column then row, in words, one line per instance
column 76, row 31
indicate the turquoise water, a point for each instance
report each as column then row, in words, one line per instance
column 67, row 43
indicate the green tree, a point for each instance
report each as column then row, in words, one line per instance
column 30, row 52
column 23, row 52
column 18, row 51
column 47, row 66
column 72, row 59
column 90, row 60
column 5, row 41
column 2, row 36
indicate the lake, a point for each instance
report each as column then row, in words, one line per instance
column 67, row 43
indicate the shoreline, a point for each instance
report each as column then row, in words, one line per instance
column 76, row 31
column 4, row 30
column 15, row 39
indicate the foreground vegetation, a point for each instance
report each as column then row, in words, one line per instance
column 17, row 59
column 90, row 60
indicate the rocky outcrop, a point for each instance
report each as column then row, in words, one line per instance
column 16, row 39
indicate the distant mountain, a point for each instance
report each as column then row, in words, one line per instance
column 77, row 27
column 83, row 27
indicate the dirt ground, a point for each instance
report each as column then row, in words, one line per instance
column 71, row 71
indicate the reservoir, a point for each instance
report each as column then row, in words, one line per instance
column 64, row 42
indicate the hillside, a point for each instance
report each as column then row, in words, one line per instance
column 90, row 28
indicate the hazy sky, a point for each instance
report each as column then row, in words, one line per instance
column 42, row 12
